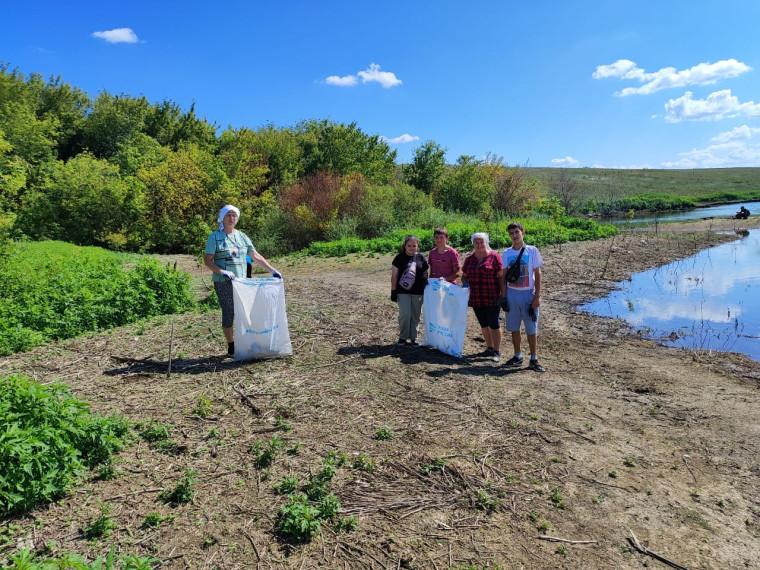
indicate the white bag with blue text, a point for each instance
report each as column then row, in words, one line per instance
column 444, row 307
column 261, row 323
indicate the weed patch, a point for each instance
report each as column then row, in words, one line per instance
column 183, row 493
column 74, row 290
column 47, row 438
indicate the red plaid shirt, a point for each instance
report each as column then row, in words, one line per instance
column 483, row 277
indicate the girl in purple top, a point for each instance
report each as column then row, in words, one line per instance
column 443, row 259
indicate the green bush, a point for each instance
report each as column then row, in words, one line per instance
column 54, row 290
column 47, row 438
column 538, row 231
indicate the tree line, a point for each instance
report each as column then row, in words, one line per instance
column 128, row 174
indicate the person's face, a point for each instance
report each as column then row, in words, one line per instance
column 479, row 244
column 412, row 246
column 516, row 235
column 230, row 219
column 440, row 241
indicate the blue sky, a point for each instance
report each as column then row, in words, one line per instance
column 575, row 83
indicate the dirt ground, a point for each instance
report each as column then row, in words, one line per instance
column 553, row 470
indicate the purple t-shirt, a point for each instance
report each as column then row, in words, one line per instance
column 444, row 264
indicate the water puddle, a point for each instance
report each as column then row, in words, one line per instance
column 708, row 301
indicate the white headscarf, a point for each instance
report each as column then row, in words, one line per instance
column 223, row 212
column 481, row 235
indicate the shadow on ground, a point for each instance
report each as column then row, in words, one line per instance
column 147, row 366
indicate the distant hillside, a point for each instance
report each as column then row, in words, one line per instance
column 607, row 185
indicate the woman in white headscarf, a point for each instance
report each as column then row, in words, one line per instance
column 226, row 250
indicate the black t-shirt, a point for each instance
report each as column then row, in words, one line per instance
column 421, row 278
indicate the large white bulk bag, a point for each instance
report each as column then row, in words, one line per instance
column 261, row 324
column 444, row 308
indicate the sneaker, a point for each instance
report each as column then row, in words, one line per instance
column 534, row 365
column 496, row 357
column 514, row 361
column 414, row 343
column 487, row 352
column 401, row 341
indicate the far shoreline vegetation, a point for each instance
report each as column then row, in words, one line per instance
column 127, row 174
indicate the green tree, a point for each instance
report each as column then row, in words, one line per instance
column 183, row 194
column 427, row 168
column 138, row 151
column 33, row 139
column 344, row 149
column 170, row 126
column 113, row 120
column 467, row 187
column 84, row 201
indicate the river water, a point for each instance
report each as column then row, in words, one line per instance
column 720, row 211
column 710, row 300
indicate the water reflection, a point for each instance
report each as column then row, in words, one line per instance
column 708, row 301
column 720, row 211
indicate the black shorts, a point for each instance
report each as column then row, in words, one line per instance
column 488, row 316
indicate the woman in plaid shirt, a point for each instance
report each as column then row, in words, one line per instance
column 482, row 273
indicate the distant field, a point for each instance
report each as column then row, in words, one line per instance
column 609, row 184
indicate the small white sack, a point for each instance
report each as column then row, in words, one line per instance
column 444, row 307
column 261, row 324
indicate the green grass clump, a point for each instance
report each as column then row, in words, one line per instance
column 266, row 453
column 158, row 435
column 384, row 434
column 47, row 438
column 364, row 462
column 287, row 485
column 184, row 492
column 101, row 526
column 54, row 290
column 155, row 520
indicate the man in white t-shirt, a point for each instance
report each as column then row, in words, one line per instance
column 521, row 293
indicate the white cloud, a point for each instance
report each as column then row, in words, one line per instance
column 373, row 74
column 401, row 139
column 344, row 81
column 718, row 105
column 739, row 133
column 668, row 77
column 567, row 161
column 737, row 147
column 117, row 36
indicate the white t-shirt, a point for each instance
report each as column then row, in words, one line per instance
column 530, row 260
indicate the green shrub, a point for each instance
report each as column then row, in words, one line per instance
column 47, row 438
column 184, row 492
column 298, row 520
column 53, row 290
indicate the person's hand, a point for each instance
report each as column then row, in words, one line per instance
column 536, row 302
column 504, row 305
column 394, row 296
column 276, row 274
column 228, row 274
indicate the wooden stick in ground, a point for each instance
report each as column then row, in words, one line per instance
column 171, row 343
column 247, row 401
column 567, row 540
column 644, row 550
